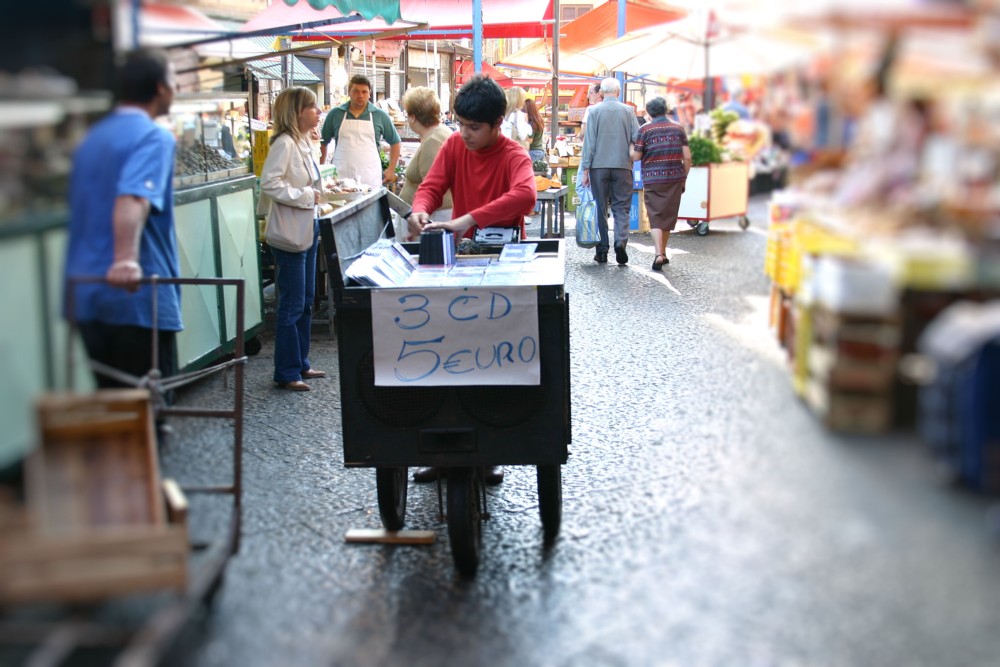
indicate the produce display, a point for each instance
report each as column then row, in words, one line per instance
column 197, row 158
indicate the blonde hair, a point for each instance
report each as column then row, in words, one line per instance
column 424, row 104
column 515, row 99
column 286, row 109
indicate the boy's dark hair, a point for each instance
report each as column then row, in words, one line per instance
column 360, row 80
column 481, row 99
column 140, row 74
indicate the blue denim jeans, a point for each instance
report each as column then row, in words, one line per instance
column 295, row 281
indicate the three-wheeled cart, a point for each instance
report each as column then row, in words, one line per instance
column 102, row 528
column 463, row 428
column 715, row 191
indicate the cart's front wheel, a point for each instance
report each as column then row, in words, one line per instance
column 464, row 525
column 702, row 228
column 744, row 222
column 390, row 483
column 550, row 500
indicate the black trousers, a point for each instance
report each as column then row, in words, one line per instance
column 128, row 349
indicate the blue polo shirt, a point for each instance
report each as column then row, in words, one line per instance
column 125, row 153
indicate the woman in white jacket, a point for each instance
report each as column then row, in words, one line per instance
column 515, row 123
column 290, row 176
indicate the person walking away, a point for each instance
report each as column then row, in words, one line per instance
column 490, row 179
column 662, row 145
column 607, row 167
column 291, row 185
column 122, row 227
column 515, row 123
column 423, row 113
column 357, row 128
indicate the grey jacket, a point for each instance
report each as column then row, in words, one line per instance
column 611, row 128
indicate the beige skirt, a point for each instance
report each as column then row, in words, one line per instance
column 662, row 201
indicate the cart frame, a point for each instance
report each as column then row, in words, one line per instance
column 147, row 645
column 717, row 198
column 463, row 429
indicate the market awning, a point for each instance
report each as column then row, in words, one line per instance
column 466, row 69
column 588, row 31
column 446, row 20
column 166, row 25
column 270, row 68
column 368, row 9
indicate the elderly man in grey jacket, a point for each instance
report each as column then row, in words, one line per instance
column 607, row 168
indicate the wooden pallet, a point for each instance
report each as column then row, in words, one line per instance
column 98, row 522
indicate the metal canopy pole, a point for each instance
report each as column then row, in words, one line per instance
column 554, row 110
column 477, row 36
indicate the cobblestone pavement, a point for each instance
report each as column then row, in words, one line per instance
column 708, row 519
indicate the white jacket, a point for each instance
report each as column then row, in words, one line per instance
column 520, row 119
column 290, row 175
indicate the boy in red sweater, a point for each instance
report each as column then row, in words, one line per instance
column 491, row 181
column 490, row 176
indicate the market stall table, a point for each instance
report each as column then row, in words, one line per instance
column 553, row 210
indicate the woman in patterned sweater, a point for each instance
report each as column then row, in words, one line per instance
column 662, row 146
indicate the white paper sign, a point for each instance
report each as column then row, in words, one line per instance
column 456, row 336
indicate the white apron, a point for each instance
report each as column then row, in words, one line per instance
column 356, row 153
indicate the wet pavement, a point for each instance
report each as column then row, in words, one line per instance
column 708, row 518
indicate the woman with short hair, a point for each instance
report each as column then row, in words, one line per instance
column 662, row 145
column 423, row 113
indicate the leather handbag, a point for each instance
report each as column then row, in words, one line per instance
column 290, row 228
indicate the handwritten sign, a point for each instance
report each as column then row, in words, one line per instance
column 456, row 336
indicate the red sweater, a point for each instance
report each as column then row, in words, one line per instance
column 495, row 185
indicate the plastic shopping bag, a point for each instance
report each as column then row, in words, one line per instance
column 587, row 235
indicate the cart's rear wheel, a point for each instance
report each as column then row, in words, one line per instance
column 390, row 483
column 702, row 228
column 464, row 525
column 550, row 500
column 744, row 222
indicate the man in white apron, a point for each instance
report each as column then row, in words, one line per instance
column 357, row 127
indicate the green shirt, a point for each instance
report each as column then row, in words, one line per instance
column 384, row 129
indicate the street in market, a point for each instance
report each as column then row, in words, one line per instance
column 708, row 516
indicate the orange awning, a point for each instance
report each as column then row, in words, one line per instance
column 588, row 31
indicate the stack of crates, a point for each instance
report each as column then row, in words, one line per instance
column 850, row 369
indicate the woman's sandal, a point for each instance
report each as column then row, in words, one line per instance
column 659, row 261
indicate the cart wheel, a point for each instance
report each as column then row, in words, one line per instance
column 390, row 483
column 252, row 346
column 464, row 525
column 744, row 222
column 550, row 500
column 702, row 228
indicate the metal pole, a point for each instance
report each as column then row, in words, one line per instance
column 554, row 110
column 477, row 36
column 136, row 8
column 622, row 4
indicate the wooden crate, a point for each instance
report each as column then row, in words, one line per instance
column 854, row 412
column 99, row 521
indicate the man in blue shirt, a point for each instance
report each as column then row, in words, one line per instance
column 357, row 128
column 122, row 226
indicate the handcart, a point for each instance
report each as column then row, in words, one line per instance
column 84, row 568
column 715, row 191
column 461, row 428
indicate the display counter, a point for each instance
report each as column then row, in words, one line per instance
column 216, row 233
